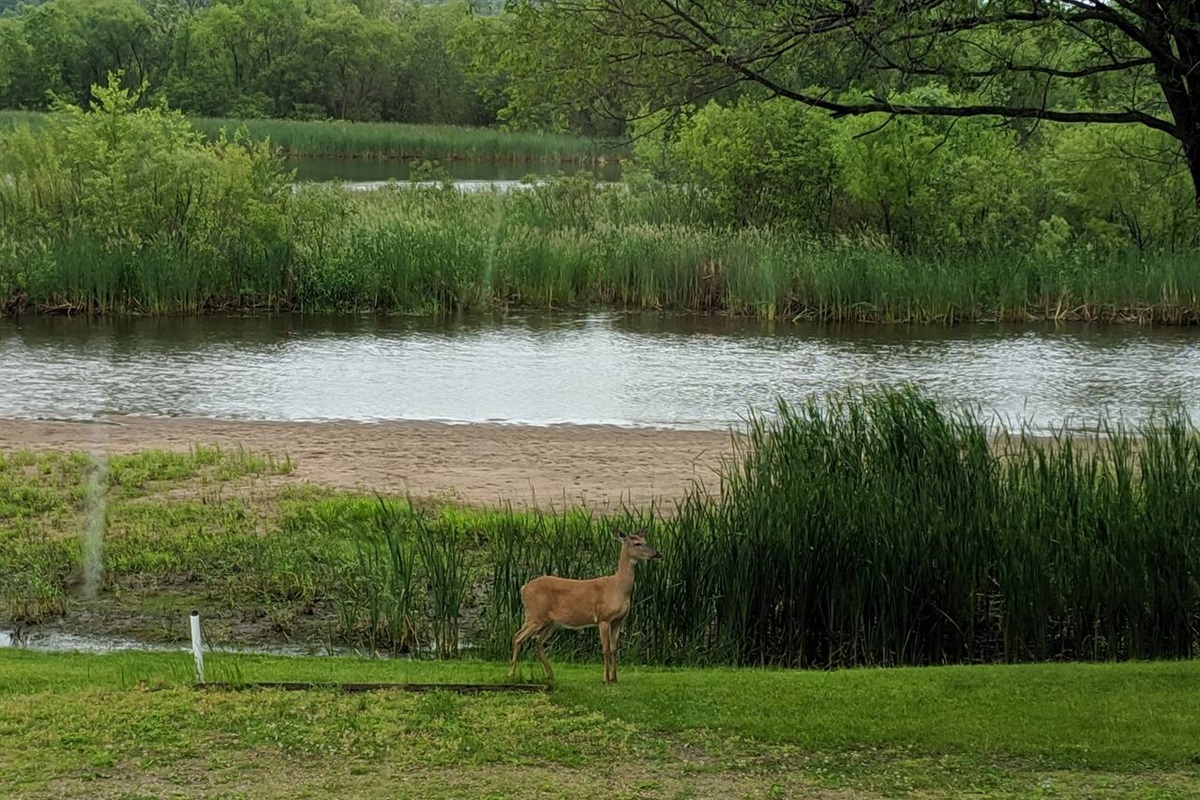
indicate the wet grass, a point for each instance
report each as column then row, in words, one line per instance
column 165, row 521
column 77, row 725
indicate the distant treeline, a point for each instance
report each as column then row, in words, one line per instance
column 363, row 60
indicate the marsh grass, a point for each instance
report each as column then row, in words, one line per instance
column 880, row 528
column 384, row 140
column 153, row 532
column 570, row 245
column 129, row 209
column 381, row 140
column 11, row 118
column 380, row 605
column 445, row 557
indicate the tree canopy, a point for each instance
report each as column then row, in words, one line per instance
column 1064, row 61
column 346, row 59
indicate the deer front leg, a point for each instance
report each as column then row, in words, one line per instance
column 606, row 646
column 614, row 642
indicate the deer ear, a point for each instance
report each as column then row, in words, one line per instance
column 620, row 537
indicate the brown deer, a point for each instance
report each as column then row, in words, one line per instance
column 552, row 602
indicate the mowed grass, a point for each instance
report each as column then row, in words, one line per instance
column 77, row 725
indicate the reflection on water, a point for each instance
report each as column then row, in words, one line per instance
column 594, row 368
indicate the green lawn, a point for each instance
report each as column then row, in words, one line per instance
column 78, row 726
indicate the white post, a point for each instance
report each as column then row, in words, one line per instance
column 197, row 646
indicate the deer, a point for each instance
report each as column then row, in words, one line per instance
column 552, row 602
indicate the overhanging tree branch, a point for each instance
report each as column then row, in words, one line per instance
column 1084, row 72
column 1107, row 62
column 717, row 54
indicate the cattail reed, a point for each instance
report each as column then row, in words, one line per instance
column 882, row 528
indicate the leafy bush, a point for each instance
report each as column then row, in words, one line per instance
column 136, row 189
column 761, row 161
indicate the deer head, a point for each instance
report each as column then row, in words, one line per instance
column 635, row 544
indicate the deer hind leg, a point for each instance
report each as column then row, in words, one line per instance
column 524, row 633
column 545, row 633
column 606, row 646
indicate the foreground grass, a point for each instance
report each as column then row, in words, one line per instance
column 75, row 726
column 391, row 140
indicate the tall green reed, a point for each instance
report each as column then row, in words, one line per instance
column 882, row 528
column 419, row 250
column 378, row 604
column 413, row 141
column 445, row 558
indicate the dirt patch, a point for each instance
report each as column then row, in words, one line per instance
column 475, row 464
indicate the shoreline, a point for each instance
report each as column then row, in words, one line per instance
column 470, row 463
column 482, row 464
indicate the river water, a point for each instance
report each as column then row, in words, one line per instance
column 637, row 370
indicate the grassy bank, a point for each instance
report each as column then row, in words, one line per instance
column 399, row 141
column 879, row 530
column 390, row 140
column 131, row 210
column 76, row 726
column 570, row 245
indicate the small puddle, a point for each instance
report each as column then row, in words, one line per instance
column 54, row 641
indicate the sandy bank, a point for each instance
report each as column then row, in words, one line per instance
column 477, row 464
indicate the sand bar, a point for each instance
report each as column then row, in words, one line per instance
column 479, row 464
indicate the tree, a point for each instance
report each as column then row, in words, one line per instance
column 64, row 47
column 432, row 85
column 14, row 53
column 1065, row 61
column 349, row 58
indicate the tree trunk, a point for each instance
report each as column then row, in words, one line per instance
column 1191, row 154
column 1175, row 26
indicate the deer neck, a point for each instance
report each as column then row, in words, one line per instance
column 624, row 574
